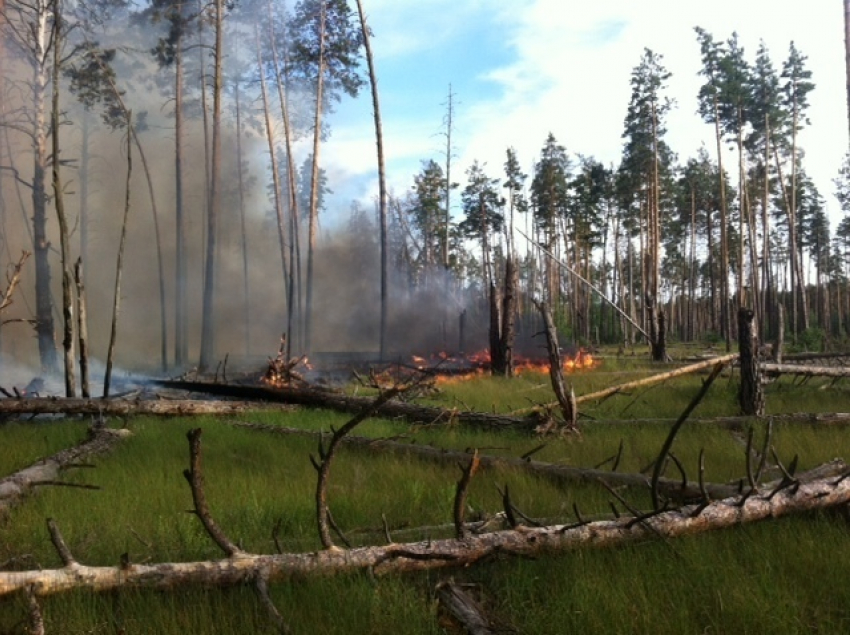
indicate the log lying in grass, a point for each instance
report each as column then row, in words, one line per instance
column 46, row 471
column 670, row 488
column 434, row 554
column 774, row 370
column 737, row 422
column 344, row 403
column 638, row 383
column 124, row 407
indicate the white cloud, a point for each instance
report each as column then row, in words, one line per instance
column 569, row 70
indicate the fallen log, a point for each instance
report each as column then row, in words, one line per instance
column 800, row 357
column 646, row 381
column 46, row 471
column 654, row 379
column 345, row 403
column 774, row 370
column 739, row 421
column 670, row 488
column 124, row 407
column 434, row 554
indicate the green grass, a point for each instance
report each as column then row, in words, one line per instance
column 24, row 444
column 775, row 577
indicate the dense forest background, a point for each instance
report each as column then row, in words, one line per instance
column 190, row 135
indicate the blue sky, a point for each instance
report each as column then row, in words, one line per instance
column 522, row 69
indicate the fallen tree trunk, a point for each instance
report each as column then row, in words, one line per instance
column 739, row 421
column 774, row 370
column 346, row 403
column 800, row 357
column 19, row 484
column 646, row 381
column 654, row 379
column 671, row 488
column 124, row 407
column 434, row 554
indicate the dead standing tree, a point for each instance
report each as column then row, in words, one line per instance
column 751, row 393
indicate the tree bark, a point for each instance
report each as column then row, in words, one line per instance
column 436, row 554
column 344, row 403
column 82, row 329
column 774, row 370
column 750, row 392
column 127, row 407
column 208, row 326
column 59, row 203
column 566, row 401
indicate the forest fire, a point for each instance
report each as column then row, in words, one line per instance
column 452, row 368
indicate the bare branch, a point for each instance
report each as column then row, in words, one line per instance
column 196, row 481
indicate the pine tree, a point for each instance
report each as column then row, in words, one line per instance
column 549, row 194
column 326, row 44
column 712, row 52
column 645, row 157
column 795, row 90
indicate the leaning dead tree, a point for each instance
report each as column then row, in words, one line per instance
column 567, row 401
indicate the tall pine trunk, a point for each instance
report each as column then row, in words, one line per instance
column 382, row 182
column 314, row 183
column 59, row 203
column 208, row 327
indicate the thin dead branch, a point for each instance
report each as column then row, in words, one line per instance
column 194, row 475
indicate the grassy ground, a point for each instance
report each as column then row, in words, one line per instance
column 778, row 577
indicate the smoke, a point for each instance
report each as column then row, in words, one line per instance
column 250, row 303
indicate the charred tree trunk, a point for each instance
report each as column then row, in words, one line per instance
column 497, row 362
column 779, row 344
column 509, row 309
column 659, row 343
column 750, row 394
column 82, row 329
